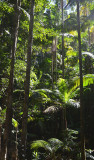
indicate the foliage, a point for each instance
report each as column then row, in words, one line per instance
column 15, row 123
column 42, row 93
column 2, row 115
column 51, row 147
column 55, row 148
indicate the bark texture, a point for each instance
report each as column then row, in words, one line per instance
column 0, row 138
column 64, row 121
column 27, row 82
column 62, row 30
column 0, row 119
column 6, row 150
column 83, row 156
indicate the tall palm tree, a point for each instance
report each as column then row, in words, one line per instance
column 62, row 30
column 83, row 156
column 8, row 124
column 27, row 81
column 0, row 132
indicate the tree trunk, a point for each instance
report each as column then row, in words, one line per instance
column 89, row 36
column 64, row 123
column 0, row 119
column 6, row 150
column 0, row 138
column 83, row 157
column 62, row 30
column 14, row 150
column 54, row 63
column 16, row 147
column 27, row 82
column 64, row 119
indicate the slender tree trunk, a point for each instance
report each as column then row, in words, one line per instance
column 83, row 157
column 89, row 36
column 14, row 153
column 27, row 82
column 0, row 120
column 16, row 147
column 54, row 61
column 62, row 30
column 64, row 123
column 6, row 150
column 0, row 138
column 64, row 119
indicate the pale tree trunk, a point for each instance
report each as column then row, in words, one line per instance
column 27, row 82
column 54, row 62
column 83, row 156
column 6, row 150
column 89, row 36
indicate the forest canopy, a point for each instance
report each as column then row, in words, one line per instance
column 46, row 79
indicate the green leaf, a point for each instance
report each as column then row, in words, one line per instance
column 39, row 144
column 89, row 54
column 87, row 80
column 15, row 123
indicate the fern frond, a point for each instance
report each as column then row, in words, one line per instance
column 55, row 144
column 41, row 91
column 55, row 141
column 40, row 144
column 87, row 80
column 51, row 146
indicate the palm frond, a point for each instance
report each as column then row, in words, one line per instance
column 25, row 12
column 55, row 141
column 41, row 94
column 42, row 90
column 51, row 146
column 20, row 8
column 87, row 80
column 89, row 54
column 70, row 2
column 74, row 103
column 62, row 85
column 40, row 144
column 55, row 144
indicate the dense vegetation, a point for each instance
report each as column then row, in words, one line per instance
column 46, row 79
